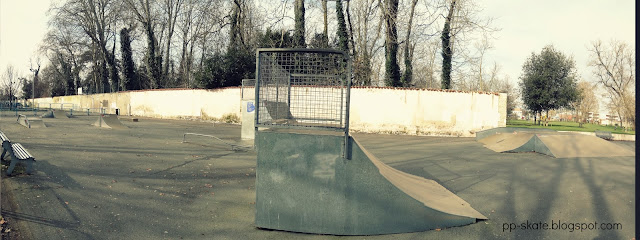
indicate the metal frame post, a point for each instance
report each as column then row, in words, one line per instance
column 257, row 91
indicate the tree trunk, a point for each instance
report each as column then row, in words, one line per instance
column 408, row 65
column 343, row 42
column 353, row 46
column 392, row 70
column 447, row 52
column 298, row 34
column 325, row 31
column 173, row 14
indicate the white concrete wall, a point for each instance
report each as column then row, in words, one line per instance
column 376, row 110
column 423, row 112
column 186, row 103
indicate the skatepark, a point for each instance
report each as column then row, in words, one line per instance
column 110, row 177
column 142, row 182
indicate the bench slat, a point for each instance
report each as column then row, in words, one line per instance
column 3, row 137
column 20, row 151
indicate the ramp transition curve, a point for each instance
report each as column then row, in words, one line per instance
column 108, row 121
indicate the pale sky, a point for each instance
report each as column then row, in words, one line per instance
column 527, row 26
column 570, row 25
column 23, row 24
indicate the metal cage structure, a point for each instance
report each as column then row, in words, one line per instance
column 303, row 89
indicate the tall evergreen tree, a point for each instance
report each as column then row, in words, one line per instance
column 343, row 38
column 130, row 81
column 548, row 81
column 298, row 35
column 447, row 52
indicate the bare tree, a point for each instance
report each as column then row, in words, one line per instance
column 97, row 19
column 367, row 34
column 9, row 84
column 198, row 21
column 37, row 89
column 65, row 41
column 407, row 76
column 461, row 22
column 614, row 67
column 587, row 103
column 172, row 8
column 144, row 13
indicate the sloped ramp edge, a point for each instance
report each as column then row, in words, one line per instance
column 533, row 145
column 427, row 191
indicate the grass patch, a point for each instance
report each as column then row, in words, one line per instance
column 569, row 126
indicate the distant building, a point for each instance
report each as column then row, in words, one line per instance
column 610, row 119
column 565, row 116
column 517, row 113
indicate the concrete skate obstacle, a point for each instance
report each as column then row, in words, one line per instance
column 109, row 121
column 313, row 177
column 30, row 122
column 552, row 143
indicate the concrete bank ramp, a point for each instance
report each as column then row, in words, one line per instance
column 48, row 114
column 32, row 122
column 59, row 113
column 303, row 184
column 108, row 121
column 555, row 144
column 55, row 113
column 579, row 145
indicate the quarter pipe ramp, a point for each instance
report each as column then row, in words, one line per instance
column 109, row 121
column 304, row 184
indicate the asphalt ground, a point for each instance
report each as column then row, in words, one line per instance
column 144, row 183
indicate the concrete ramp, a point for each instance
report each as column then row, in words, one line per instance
column 55, row 113
column 109, row 121
column 30, row 122
column 48, row 114
column 503, row 142
column 59, row 113
column 303, row 184
column 555, row 144
column 579, row 145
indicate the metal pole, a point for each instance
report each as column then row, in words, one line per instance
column 257, row 91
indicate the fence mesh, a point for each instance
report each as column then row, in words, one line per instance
column 303, row 88
column 248, row 90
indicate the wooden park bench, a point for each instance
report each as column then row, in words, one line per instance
column 17, row 153
column 604, row 135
